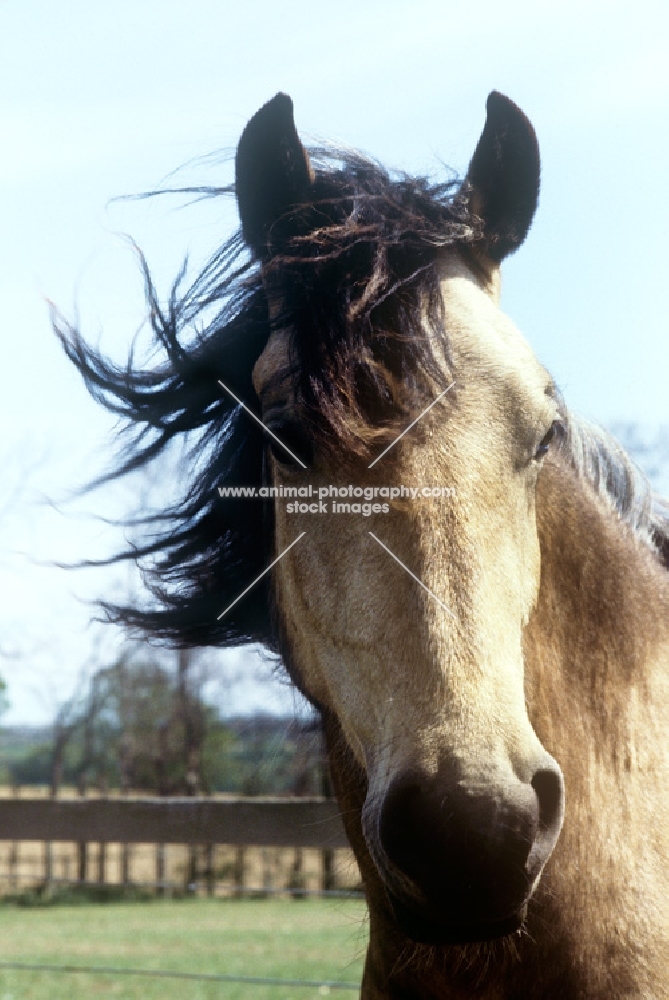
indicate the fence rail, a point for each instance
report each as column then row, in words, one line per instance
column 262, row 822
column 241, row 846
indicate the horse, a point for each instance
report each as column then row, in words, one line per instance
column 489, row 663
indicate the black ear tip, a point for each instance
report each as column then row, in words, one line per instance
column 282, row 100
column 500, row 106
column 280, row 106
column 277, row 113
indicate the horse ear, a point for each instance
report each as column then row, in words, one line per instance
column 272, row 171
column 503, row 177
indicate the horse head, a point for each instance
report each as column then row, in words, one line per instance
column 404, row 616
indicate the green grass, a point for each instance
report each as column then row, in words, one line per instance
column 307, row 939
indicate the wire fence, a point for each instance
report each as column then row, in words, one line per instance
column 321, row 984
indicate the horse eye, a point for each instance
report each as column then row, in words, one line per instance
column 292, row 435
column 555, row 432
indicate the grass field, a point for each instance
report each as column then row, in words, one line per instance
column 308, row 939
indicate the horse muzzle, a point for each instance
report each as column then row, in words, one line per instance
column 460, row 861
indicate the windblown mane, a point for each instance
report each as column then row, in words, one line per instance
column 360, row 295
column 359, row 290
column 619, row 482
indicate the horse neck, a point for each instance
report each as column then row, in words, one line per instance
column 596, row 672
column 598, row 638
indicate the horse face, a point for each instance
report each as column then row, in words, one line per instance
column 406, row 620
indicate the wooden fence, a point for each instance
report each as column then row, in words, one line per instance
column 240, row 824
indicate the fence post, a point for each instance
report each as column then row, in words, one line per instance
column 267, row 858
column 239, row 872
column 191, row 870
column 327, row 869
column 160, row 868
column 14, row 849
column 82, row 846
column 48, row 864
column 102, row 845
column 327, row 854
column 209, row 869
column 102, row 862
column 125, row 848
column 297, row 874
column 48, row 851
column 125, row 864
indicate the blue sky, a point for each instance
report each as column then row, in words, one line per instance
column 106, row 99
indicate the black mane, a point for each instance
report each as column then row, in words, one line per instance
column 358, row 273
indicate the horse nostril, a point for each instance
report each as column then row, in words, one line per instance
column 548, row 785
column 402, row 823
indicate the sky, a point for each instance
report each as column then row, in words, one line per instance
column 104, row 100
